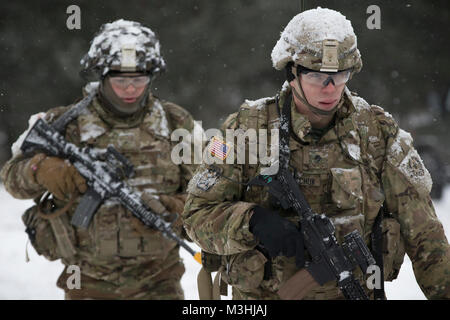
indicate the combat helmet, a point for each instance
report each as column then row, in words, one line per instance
column 123, row 46
column 320, row 40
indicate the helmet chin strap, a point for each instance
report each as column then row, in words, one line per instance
column 303, row 99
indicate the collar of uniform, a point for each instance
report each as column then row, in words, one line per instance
column 343, row 111
column 156, row 120
column 347, row 107
column 345, row 122
column 302, row 127
column 90, row 125
column 113, row 121
column 300, row 124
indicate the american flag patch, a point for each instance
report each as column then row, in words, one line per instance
column 219, row 148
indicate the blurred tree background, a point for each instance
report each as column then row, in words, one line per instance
column 218, row 54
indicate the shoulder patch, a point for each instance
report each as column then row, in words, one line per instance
column 402, row 155
column 203, row 180
column 219, row 148
column 206, row 179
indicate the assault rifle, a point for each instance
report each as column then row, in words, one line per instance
column 104, row 173
column 330, row 261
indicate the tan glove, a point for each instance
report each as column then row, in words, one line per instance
column 158, row 206
column 173, row 203
column 57, row 175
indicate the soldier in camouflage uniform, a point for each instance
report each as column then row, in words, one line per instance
column 118, row 256
column 348, row 157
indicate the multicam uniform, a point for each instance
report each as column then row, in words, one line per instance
column 347, row 174
column 118, row 256
column 346, row 171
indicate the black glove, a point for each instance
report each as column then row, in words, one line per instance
column 277, row 235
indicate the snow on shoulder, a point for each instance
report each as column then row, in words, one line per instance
column 358, row 102
column 91, row 86
column 159, row 125
column 258, row 104
column 15, row 148
column 404, row 156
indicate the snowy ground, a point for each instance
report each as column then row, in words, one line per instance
column 36, row 279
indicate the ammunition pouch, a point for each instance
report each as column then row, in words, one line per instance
column 207, row 289
column 211, row 262
column 245, row 270
column 250, row 265
column 49, row 231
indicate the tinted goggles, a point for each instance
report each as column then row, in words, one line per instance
column 322, row 79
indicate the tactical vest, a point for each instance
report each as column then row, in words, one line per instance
column 340, row 178
column 114, row 232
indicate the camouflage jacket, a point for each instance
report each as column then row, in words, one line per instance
column 362, row 161
column 116, row 247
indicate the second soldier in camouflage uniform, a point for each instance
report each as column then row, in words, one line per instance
column 349, row 157
column 119, row 257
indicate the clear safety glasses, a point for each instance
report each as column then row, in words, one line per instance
column 322, row 79
column 123, row 82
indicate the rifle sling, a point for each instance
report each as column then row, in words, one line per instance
column 61, row 123
column 377, row 250
column 285, row 129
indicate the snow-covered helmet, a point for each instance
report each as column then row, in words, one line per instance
column 124, row 46
column 318, row 39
